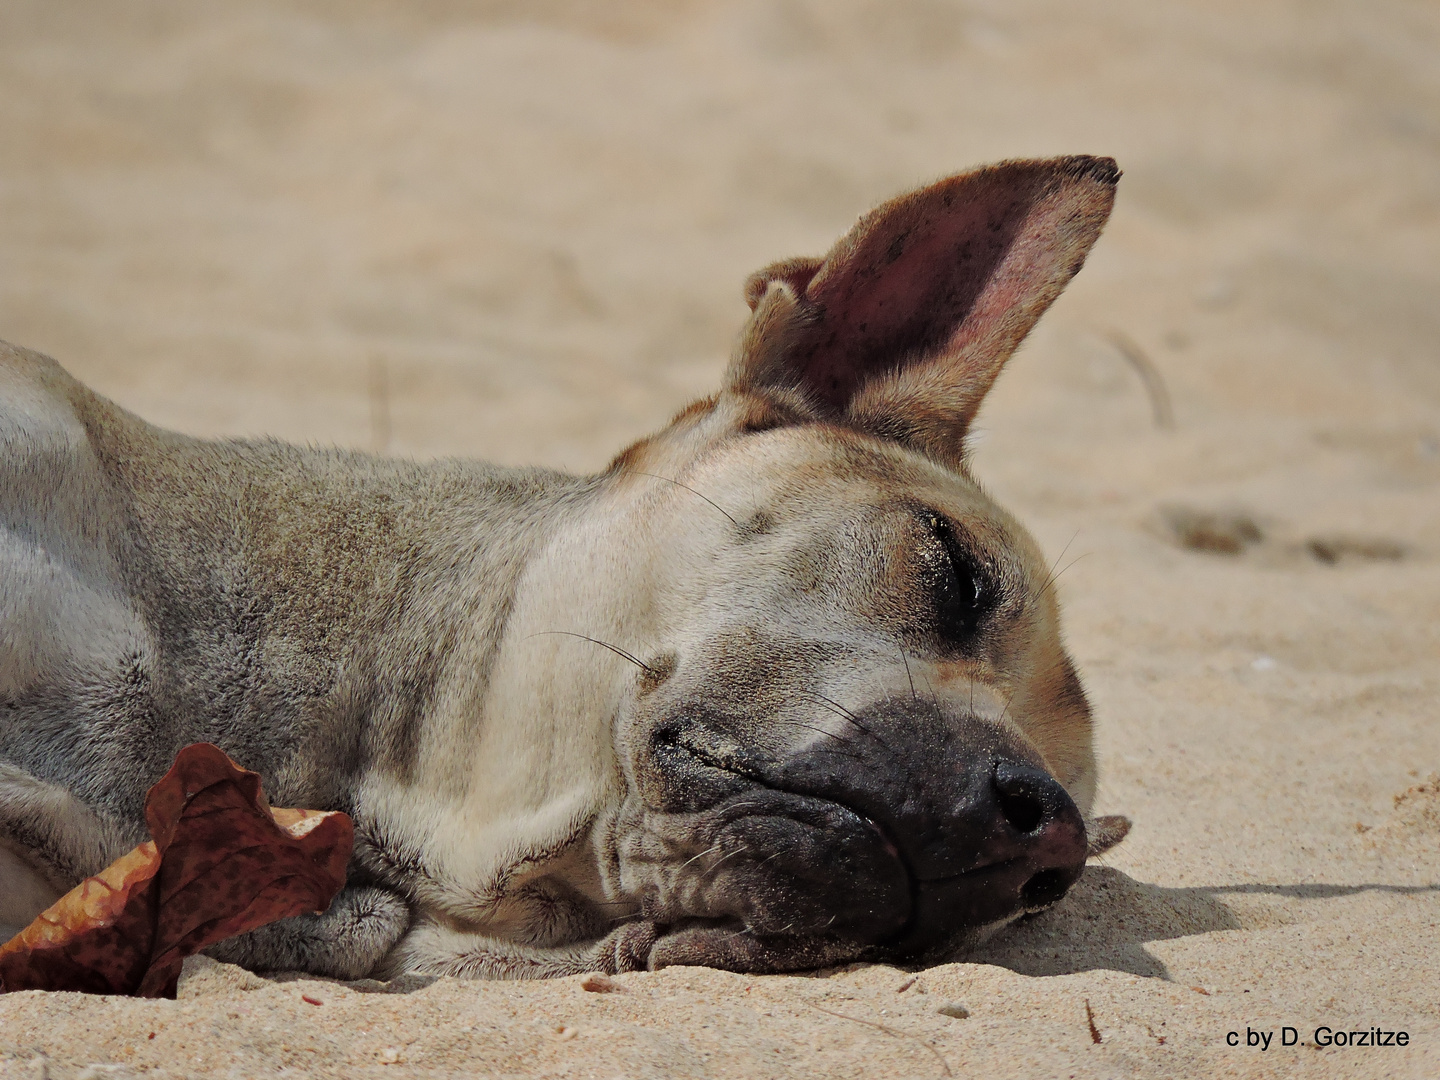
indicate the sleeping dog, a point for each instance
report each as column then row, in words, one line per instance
column 780, row 688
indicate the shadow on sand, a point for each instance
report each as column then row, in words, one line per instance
column 1109, row 917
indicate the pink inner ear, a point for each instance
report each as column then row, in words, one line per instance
column 956, row 268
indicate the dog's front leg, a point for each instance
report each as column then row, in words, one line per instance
column 639, row 946
column 431, row 949
column 346, row 941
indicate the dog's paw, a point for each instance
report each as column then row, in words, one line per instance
column 626, row 948
column 643, row 946
column 731, row 949
column 344, row 942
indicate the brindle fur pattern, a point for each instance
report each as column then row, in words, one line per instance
column 407, row 642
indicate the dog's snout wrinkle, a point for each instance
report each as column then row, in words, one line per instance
column 890, row 847
column 709, row 747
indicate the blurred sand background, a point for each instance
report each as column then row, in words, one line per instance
column 518, row 230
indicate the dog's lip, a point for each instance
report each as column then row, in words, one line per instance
column 946, row 879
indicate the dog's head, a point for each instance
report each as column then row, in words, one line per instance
column 850, row 727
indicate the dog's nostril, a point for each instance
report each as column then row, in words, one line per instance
column 1021, row 809
column 1028, row 798
column 1044, row 889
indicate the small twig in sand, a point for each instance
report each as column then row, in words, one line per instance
column 888, row 1031
column 1149, row 374
column 1090, row 1019
column 379, row 405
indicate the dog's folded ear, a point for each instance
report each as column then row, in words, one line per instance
column 901, row 329
column 1104, row 833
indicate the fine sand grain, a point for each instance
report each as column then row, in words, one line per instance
column 519, row 229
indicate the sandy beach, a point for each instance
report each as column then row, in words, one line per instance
column 518, row 230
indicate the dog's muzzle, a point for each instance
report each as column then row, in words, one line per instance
column 906, row 831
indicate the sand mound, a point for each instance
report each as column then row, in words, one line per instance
column 1413, row 825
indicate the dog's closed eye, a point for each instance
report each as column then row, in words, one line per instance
column 956, row 580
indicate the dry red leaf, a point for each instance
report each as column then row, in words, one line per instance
column 221, row 862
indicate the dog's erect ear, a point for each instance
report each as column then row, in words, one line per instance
column 903, row 326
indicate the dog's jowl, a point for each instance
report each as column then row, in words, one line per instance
column 780, row 688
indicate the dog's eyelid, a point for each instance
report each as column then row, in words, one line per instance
column 971, row 594
column 954, row 537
